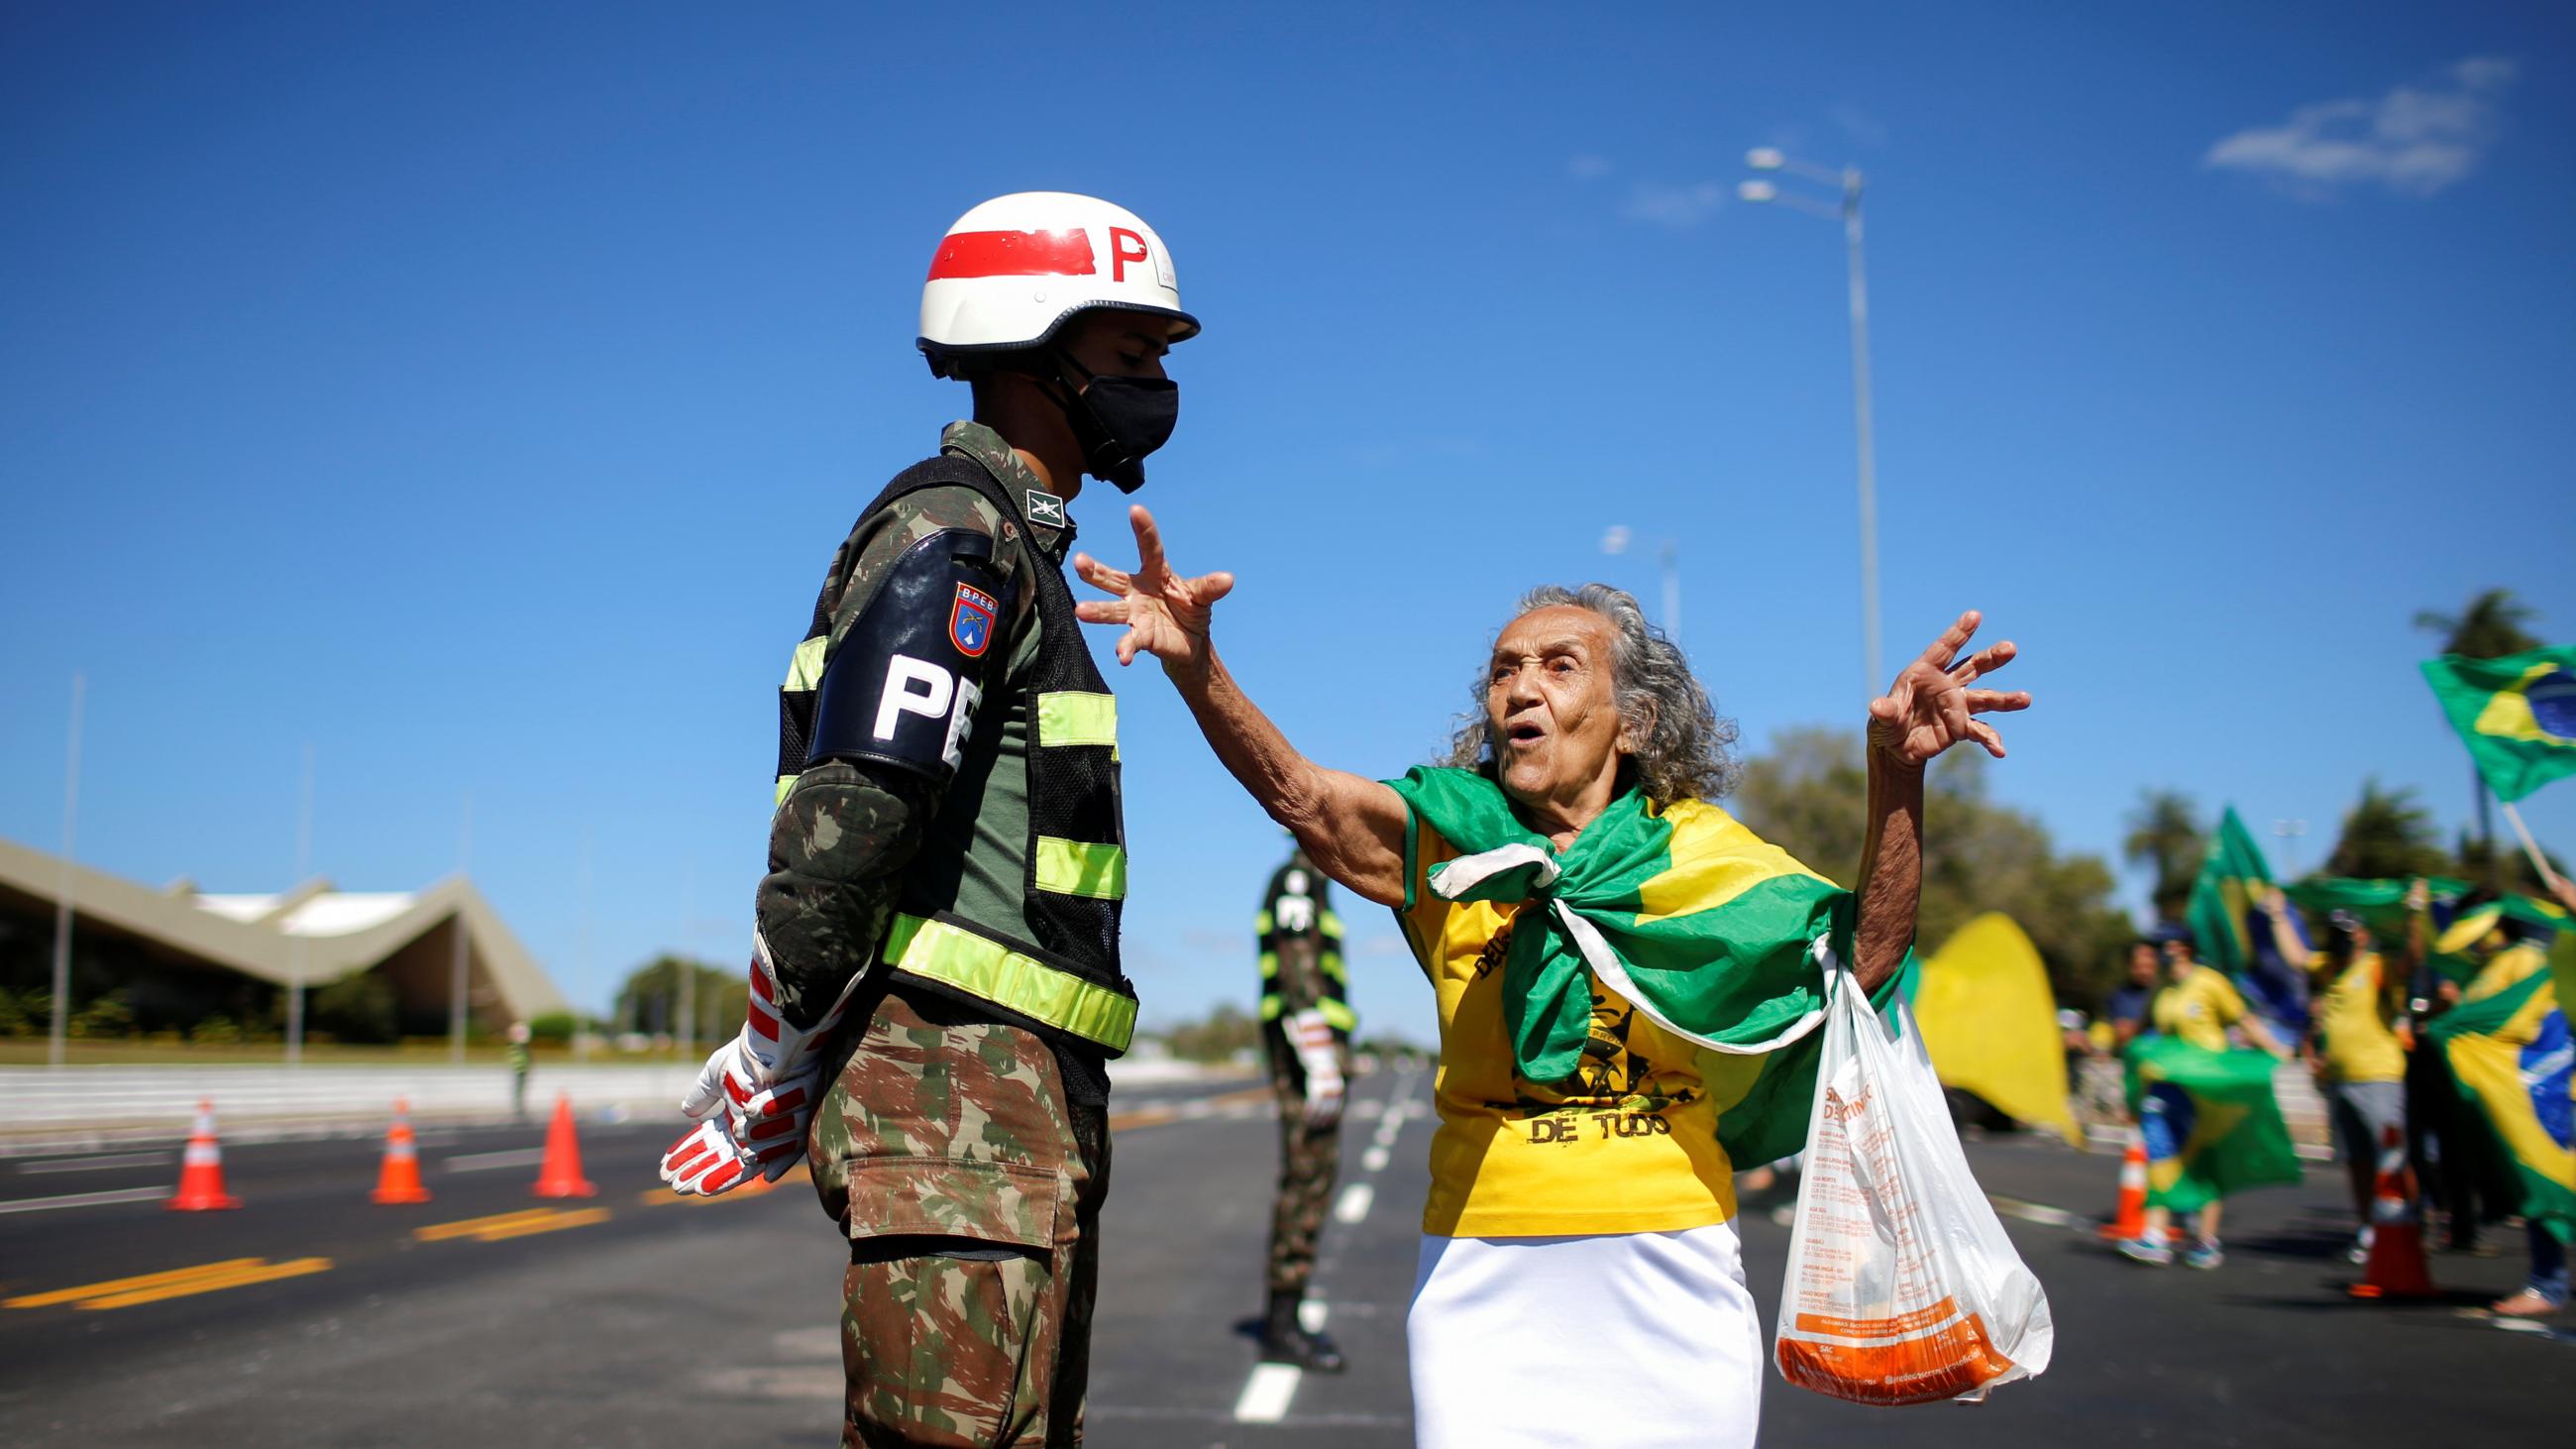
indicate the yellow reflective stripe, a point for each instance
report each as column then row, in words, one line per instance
column 1341, row 1017
column 785, row 784
column 953, row 956
column 805, row 667
column 1332, row 924
column 1333, row 967
column 1261, row 924
column 1080, row 868
column 1270, row 1007
column 1072, row 717
column 1269, row 964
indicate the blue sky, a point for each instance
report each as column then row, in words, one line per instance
column 476, row 396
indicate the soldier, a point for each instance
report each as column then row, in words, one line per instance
column 1306, row 1030
column 946, row 861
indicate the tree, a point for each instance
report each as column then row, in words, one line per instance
column 2165, row 836
column 2489, row 628
column 1809, row 795
column 359, row 1008
column 1228, row 1029
column 2386, row 836
column 650, row 1000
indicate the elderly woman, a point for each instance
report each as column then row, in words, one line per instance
column 1591, row 921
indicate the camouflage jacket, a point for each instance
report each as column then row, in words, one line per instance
column 845, row 836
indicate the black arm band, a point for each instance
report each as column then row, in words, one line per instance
column 902, row 685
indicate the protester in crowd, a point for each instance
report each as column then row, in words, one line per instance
column 2198, row 1006
column 2357, row 1047
column 1582, row 1185
column 2129, row 1004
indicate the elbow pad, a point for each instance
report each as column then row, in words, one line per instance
column 903, row 684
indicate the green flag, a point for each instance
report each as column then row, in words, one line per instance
column 2381, row 904
column 2516, row 714
column 2222, row 1124
column 2229, row 885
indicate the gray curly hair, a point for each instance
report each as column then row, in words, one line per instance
column 1678, row 741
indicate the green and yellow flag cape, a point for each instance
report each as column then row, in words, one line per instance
column 2233, row 1137
column 2516, row 714
column 2511, row 1054
column 1716, row 935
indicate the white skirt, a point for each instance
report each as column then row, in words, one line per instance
column 1640, row 1340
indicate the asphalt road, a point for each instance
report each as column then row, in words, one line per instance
column 630, row 1318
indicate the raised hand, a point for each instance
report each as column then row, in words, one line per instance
column 1930, row 706
column 1166, row 615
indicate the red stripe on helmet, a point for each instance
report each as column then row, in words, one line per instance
column 761, row 1021
column 760, row 983
column 1013, row 254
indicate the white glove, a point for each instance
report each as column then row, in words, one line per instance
column 1312, row 1036
column 767, row 1081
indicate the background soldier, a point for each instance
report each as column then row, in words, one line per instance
column 1306, row 1029
column 947, row 862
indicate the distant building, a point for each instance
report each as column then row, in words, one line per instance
column 174, row 956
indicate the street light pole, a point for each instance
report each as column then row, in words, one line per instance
column 1668, row 553
column 1861, row 431
column 58, row 1035
column 1765, row 158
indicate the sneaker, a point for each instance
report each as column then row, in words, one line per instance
column 2145, row 1250
column 2203, row 1254
column 2359, row 1252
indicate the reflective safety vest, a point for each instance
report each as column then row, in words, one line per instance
column 1296, row 909
column 1047, row 960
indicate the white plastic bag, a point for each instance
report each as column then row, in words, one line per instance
column 1902, row 1287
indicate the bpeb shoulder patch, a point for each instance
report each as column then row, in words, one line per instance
column 972, row 620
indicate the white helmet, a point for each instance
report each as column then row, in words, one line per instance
column 1012, row 270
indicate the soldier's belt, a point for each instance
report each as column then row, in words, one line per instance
column 958, row 958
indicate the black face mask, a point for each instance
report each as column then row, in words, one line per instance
column 1118, row 420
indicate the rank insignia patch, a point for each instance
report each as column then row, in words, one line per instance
column 1046, row 509
column 970, row 623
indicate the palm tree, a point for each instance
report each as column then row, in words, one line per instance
column 2387, row 836
column 2489, row 628
column 2165, row 836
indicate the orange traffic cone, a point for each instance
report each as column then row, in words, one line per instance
column 560, row 1174
column 2396, row 1266
column 2131, row 1220
column 399, row 1180
column 201, row 1170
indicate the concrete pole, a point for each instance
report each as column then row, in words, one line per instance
column 58, row 1037
column 457, row 976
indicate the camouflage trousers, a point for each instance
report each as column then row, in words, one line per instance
column 1309, row 1158
column 971, row 1193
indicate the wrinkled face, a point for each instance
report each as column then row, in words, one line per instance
column 2142, row 965
column 1551, row 708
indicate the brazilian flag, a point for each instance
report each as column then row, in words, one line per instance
column 2511, row 1055
column 2230, row 929
column 2380, row 904
column 2213, row 1126
column 2516, row 714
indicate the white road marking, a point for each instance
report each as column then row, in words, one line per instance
column 486, row 1161
column 85, row 1199
column 2037, row 1212
column 1353, row 1204
column 94, row 1164
column 1373, row 1160
column 1266, row 1394
column 1311, row 1314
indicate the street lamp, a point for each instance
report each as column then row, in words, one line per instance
column 2290, row 831
column 1615, row 541
column 1770, row 159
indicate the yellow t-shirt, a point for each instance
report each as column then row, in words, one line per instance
column 2354, row 1016
column 1632, row 1150
column 2507, row 968
column 2200, row 1008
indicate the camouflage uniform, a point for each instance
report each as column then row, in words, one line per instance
column 965, row 1157
column 1301, row 969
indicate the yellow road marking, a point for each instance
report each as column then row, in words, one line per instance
column 124, row 1285
column 1143, row 1117
column 242, row 1278
column 477, row 1227
column 581, row 1219
column 511, row 1225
